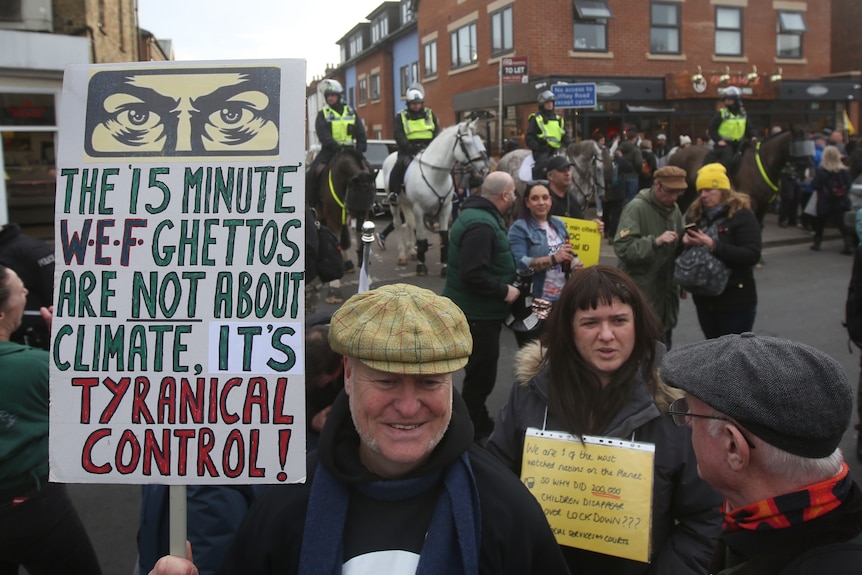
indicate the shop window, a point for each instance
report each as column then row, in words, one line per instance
column 591, row 25
column 790, row 30
column 463, row 46
column 501, row 31
column 664, row 28
column 728, row 31
column 430, row 50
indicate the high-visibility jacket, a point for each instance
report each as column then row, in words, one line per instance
column 732, row 125
column 419, row 129
column 551, row 131
column 341, row 124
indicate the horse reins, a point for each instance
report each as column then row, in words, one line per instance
column 459, row 139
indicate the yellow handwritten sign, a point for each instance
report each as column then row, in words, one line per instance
column 585, row 239
column 597, row 495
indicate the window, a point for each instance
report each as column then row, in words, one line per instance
column 351, row 97
column 363, row 91
column 379, row 29
column 374, row 87
column 501, row 31
column 664, row 28
column 10, row 11
column 591, row 25
column 355, row 45
column 414, row 71
column 728, row 31
column 404, row 75
column 791, row 28
column 406, row 11
column 430, row 59
column 463, row 44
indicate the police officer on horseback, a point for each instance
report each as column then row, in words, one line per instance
column 729, row 128
column 337, row 125
column 546, row 133
column 415, row 127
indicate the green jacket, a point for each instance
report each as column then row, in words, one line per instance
column 642, row 221
column 23, row 415
column 480, row 299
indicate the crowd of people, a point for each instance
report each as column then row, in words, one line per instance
column 408, row 474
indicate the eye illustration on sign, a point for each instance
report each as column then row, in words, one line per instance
column 185, row 112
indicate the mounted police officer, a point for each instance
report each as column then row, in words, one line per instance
column 415, row 127
column 728, row 129
column 546, row 133
column 337, row 125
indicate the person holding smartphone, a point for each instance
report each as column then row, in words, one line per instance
column 721, row 219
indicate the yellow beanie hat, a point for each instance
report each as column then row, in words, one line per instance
column 712, row 177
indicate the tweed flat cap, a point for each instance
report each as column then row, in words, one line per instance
column 789, row 394
column 402, row 328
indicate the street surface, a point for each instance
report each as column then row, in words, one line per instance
column 801, row 297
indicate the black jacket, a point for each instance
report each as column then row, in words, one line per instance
column 516, row 538
column 739, row 244
column 33, row 261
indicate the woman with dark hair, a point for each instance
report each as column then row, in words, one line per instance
column 540, row 242
column 595, row 372
column 39, row 527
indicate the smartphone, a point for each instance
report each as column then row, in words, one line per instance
column 692, row 227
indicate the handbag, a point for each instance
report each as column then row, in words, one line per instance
column 811, row 205
column 698, row 271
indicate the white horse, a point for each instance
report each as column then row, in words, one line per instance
column 429, row 187
column 588, row 169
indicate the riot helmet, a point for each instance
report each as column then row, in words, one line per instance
column 546, row 96
column 732, row 93
column 414, row 96
column 332, row 87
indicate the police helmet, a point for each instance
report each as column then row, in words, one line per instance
column 332, row 87
column 732, row 93
column 414, row 95
column 546, row 96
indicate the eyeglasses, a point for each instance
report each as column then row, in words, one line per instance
column 681, row 417
column 532, row 183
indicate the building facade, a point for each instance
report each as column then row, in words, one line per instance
column 658, row 65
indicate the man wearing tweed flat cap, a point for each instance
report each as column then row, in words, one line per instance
column 767, row 416
column 397, row 484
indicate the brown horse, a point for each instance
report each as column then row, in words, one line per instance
column 757, row 173
column 346, row 194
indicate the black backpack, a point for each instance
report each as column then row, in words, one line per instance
column 853, row 306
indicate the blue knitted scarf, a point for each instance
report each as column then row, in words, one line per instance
column 452, row 543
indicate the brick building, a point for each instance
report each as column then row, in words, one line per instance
column 657, row 64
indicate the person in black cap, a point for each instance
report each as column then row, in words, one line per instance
column 767, row 416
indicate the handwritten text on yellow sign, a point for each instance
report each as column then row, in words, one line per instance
column 597, row 495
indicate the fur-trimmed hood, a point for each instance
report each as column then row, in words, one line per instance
column 530, row 361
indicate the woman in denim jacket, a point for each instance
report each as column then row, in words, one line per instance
column 540, row 242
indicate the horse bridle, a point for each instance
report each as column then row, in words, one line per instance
column 592, row 173
column 459, row 140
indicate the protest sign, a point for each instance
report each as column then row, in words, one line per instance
column 177, row 338
column 596, row 494
column 585, row 238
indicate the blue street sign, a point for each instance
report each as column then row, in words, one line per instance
column 574, row 95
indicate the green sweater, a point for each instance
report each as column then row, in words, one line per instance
column 501, row 265
column 650, row 266
column 23, row 414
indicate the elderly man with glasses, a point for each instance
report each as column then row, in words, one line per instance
column 648, row 240
column 766, row 418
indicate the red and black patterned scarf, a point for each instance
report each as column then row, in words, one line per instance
column 792, row 508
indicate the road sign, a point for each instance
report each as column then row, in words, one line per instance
column 574, row 95
column 515, row 70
